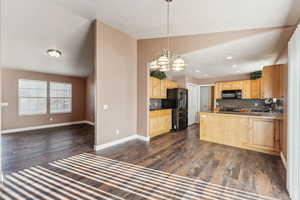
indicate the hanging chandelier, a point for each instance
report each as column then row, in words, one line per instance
column 167, row 60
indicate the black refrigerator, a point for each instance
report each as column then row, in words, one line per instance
column 177, row 99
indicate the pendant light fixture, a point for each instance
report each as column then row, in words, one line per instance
column 167, row 61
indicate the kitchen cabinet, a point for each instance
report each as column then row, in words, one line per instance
column 251, row 89
column 171, row 84
column 218, row 91
column 272, row 82
column 264, row 134
column 160, row 122
column 155, row 87
column 246, row 89
column 256, row 89
column 163, row 89
column 230, row 131
column 158, row 88
column 246, row 132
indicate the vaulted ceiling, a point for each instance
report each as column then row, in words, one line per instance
column 31, row 27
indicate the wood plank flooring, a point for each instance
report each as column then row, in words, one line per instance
column 178, row 153
column 31, row 148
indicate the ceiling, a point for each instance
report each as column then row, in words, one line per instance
column 248, row 54
column 31, row 27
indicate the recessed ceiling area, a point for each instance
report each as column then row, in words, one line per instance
column 31, row 27
column 241, row 56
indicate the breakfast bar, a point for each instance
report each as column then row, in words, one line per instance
column 253, row 131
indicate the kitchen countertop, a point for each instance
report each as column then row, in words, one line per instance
column 155, row 109
column 264, row 115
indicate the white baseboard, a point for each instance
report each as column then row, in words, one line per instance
column 42, row 127
column 123, row 140
column 146, row 139
column 90, row 123
column 283, row 160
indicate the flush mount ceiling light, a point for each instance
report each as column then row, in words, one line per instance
column 54, row 53
column 167, row 60
column 234, row 66
column 229, row 57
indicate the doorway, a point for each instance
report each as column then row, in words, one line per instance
column 200, row 100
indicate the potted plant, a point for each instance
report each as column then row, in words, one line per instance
column 158, row 74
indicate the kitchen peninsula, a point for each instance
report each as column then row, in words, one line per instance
column 249, row 114
column 254, row 131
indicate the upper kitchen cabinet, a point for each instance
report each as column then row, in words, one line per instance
column 244, row 85
column 256, row 89
column 171, row 84
column 158, row 88
column 272, row 82
column 246, row 89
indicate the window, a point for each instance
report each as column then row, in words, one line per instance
column 32, row 97
column 60, row 97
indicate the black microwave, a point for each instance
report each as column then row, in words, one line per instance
column 232, row 94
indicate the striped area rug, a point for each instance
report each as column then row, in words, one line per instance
column 88, row 177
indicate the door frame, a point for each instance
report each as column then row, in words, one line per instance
column 293, row 157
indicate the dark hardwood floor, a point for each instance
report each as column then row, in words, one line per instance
column 180, row 153
column 31, row 148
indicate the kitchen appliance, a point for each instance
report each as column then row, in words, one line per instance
column 177, row 99
column 232, row 94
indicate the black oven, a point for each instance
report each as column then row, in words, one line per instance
column 231, row 94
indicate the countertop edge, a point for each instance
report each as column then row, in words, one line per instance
column 243, row 115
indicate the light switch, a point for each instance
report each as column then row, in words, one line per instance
column 4, row 104
column 105, row 107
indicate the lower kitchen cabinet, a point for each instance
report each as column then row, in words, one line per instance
column 160, row 122
column 247, row 132
column 265, row 134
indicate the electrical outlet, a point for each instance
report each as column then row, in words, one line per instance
column 51, row 118
column 255, row 104
column 117, row 131
column 105, row 107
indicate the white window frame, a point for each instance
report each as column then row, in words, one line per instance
column 62, row 97
column 28, row 97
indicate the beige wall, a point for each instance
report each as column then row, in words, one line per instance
column 90, row 98
column 10, row 117
column 116, row 84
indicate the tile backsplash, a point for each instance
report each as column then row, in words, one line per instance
column 252, row 104
column 155, row 103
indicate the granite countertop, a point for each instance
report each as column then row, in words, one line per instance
column 154, row 109
column 264, row 115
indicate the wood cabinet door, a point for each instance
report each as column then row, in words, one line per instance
column 160, row 122
column 163, row 89
column 150, row 87
column 246, row 89
column 236, row 131
column 226, row 86
column 218, row 91
column 154, row 126
column 156, row 88
column 174, row 84
column 264, row 134
column 271, row 82
column 256, row 89
column 171, row 84
column 211, row 127
column 237, row 85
